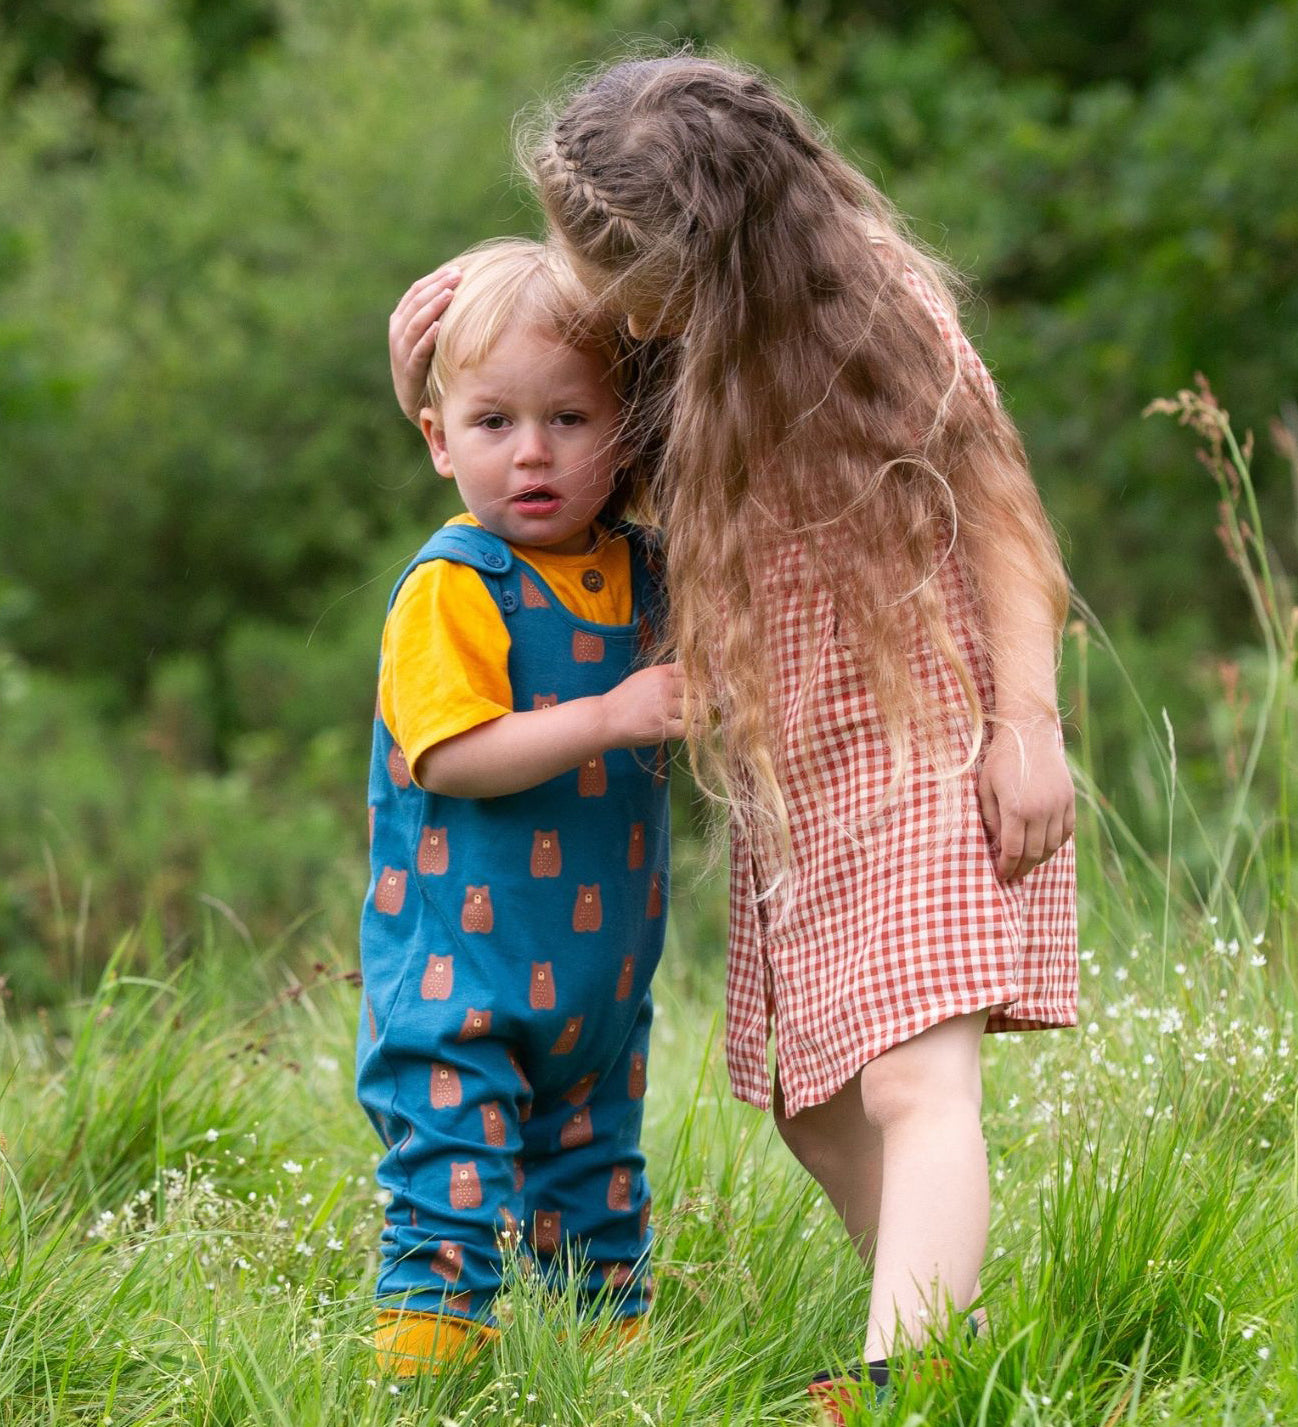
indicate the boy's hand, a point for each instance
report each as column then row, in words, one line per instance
column 412, row 335
column 646, row 707
column 1026, row 795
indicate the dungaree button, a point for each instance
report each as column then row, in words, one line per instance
column 495, row 559
column 592, row 580
column 509, row 601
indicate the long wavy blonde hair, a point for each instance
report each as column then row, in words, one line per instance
column 808, row 399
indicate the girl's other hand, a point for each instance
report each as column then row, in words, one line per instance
column 412, row 335
column 1026, row 795
column 646, row 707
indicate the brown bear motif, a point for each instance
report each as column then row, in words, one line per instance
column 458, row 1303
column 518, row 1070
column 476, row 914
column 580, row 1092
column 544, row 701
column 493, row 1124
column 577, row 1130
column 568, row 1036
column 531, row 592
column 547, row 856
column 369, row 1016
column 385, row 1134
column 519, row 1178
column 588, row 910
column 466, row 1188
column 448, row 1261
column 616, row 1275
column 635, row 849
column 646, row 1209
column 545, row 1231
column 439, row 978
column 476, row 1024
column 636, row 1079
column 524, row 1111
column 541, row 995
column 619, row 1190
column 434, row 855
column 398, row 768
column 586, row 648
column 390, row 892
column 592, row 778
column 444, row 1086
column 626, row 978
column 508, row 1235
column 655, row 904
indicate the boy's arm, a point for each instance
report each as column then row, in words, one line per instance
column 521, row 750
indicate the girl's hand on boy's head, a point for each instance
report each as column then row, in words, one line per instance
column 412, row 335
column 646, row 707
column 1026, row 794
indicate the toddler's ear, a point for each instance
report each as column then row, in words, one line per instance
column 430, row 423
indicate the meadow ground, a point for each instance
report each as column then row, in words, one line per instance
column 190, row 1219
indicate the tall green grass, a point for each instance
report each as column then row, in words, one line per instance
column 189, row 1224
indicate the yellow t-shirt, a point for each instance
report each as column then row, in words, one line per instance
column 444, row 667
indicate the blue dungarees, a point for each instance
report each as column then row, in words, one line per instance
column 507, row 946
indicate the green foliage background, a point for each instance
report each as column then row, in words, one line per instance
column 206, row 212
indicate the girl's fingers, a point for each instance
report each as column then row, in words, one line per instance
column 421, row 353
column 444, row 280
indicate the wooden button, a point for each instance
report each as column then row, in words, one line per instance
column 592, row 580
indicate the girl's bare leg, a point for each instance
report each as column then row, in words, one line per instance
column 902, row 1143
column 924, row 1099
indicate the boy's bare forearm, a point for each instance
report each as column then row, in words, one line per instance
column 516, row 751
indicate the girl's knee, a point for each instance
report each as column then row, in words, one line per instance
column 911, row 1080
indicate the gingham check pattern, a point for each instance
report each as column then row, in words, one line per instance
column 892, row 918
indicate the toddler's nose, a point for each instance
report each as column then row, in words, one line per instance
column 533, row 447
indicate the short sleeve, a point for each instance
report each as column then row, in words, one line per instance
column 968, row 362
column 445, row 661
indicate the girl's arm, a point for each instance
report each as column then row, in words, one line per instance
column 1025, row 789
column 412, row 335
column 520, row 750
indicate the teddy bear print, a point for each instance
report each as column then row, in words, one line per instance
column 588, row 910
column 369, row 1016
column 547, row 857
column 518, row 1064
column 577, row 1130
column 544, row 701
column 636, row 1078
column 476, row 914
column 493, row 1125
column 398, row 768
column 619, row 1189
column 466, row 1188
column 616, row 1275
column 586, row 648
column 540, row 996
column 458, row 1303
column 434, row 855
column 531, row 592
column 443, row 1086
column 448, row 1261
column 625, row 979
column 545, row 1231
column 635, row 848
column 568, row 1036
column 476, row 1024
column 519, row 1177
column 592, row 777
column 579, row 1093
column 654, row 908
column 646, row 1209
column 390, row 891
column 508, row 1235
column 438, row 979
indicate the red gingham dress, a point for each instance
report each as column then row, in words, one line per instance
column 891, row 918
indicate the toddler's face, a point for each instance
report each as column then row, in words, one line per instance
column 531, row 437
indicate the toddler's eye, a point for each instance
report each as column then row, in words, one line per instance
column 569, row 418
column 493, row 422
